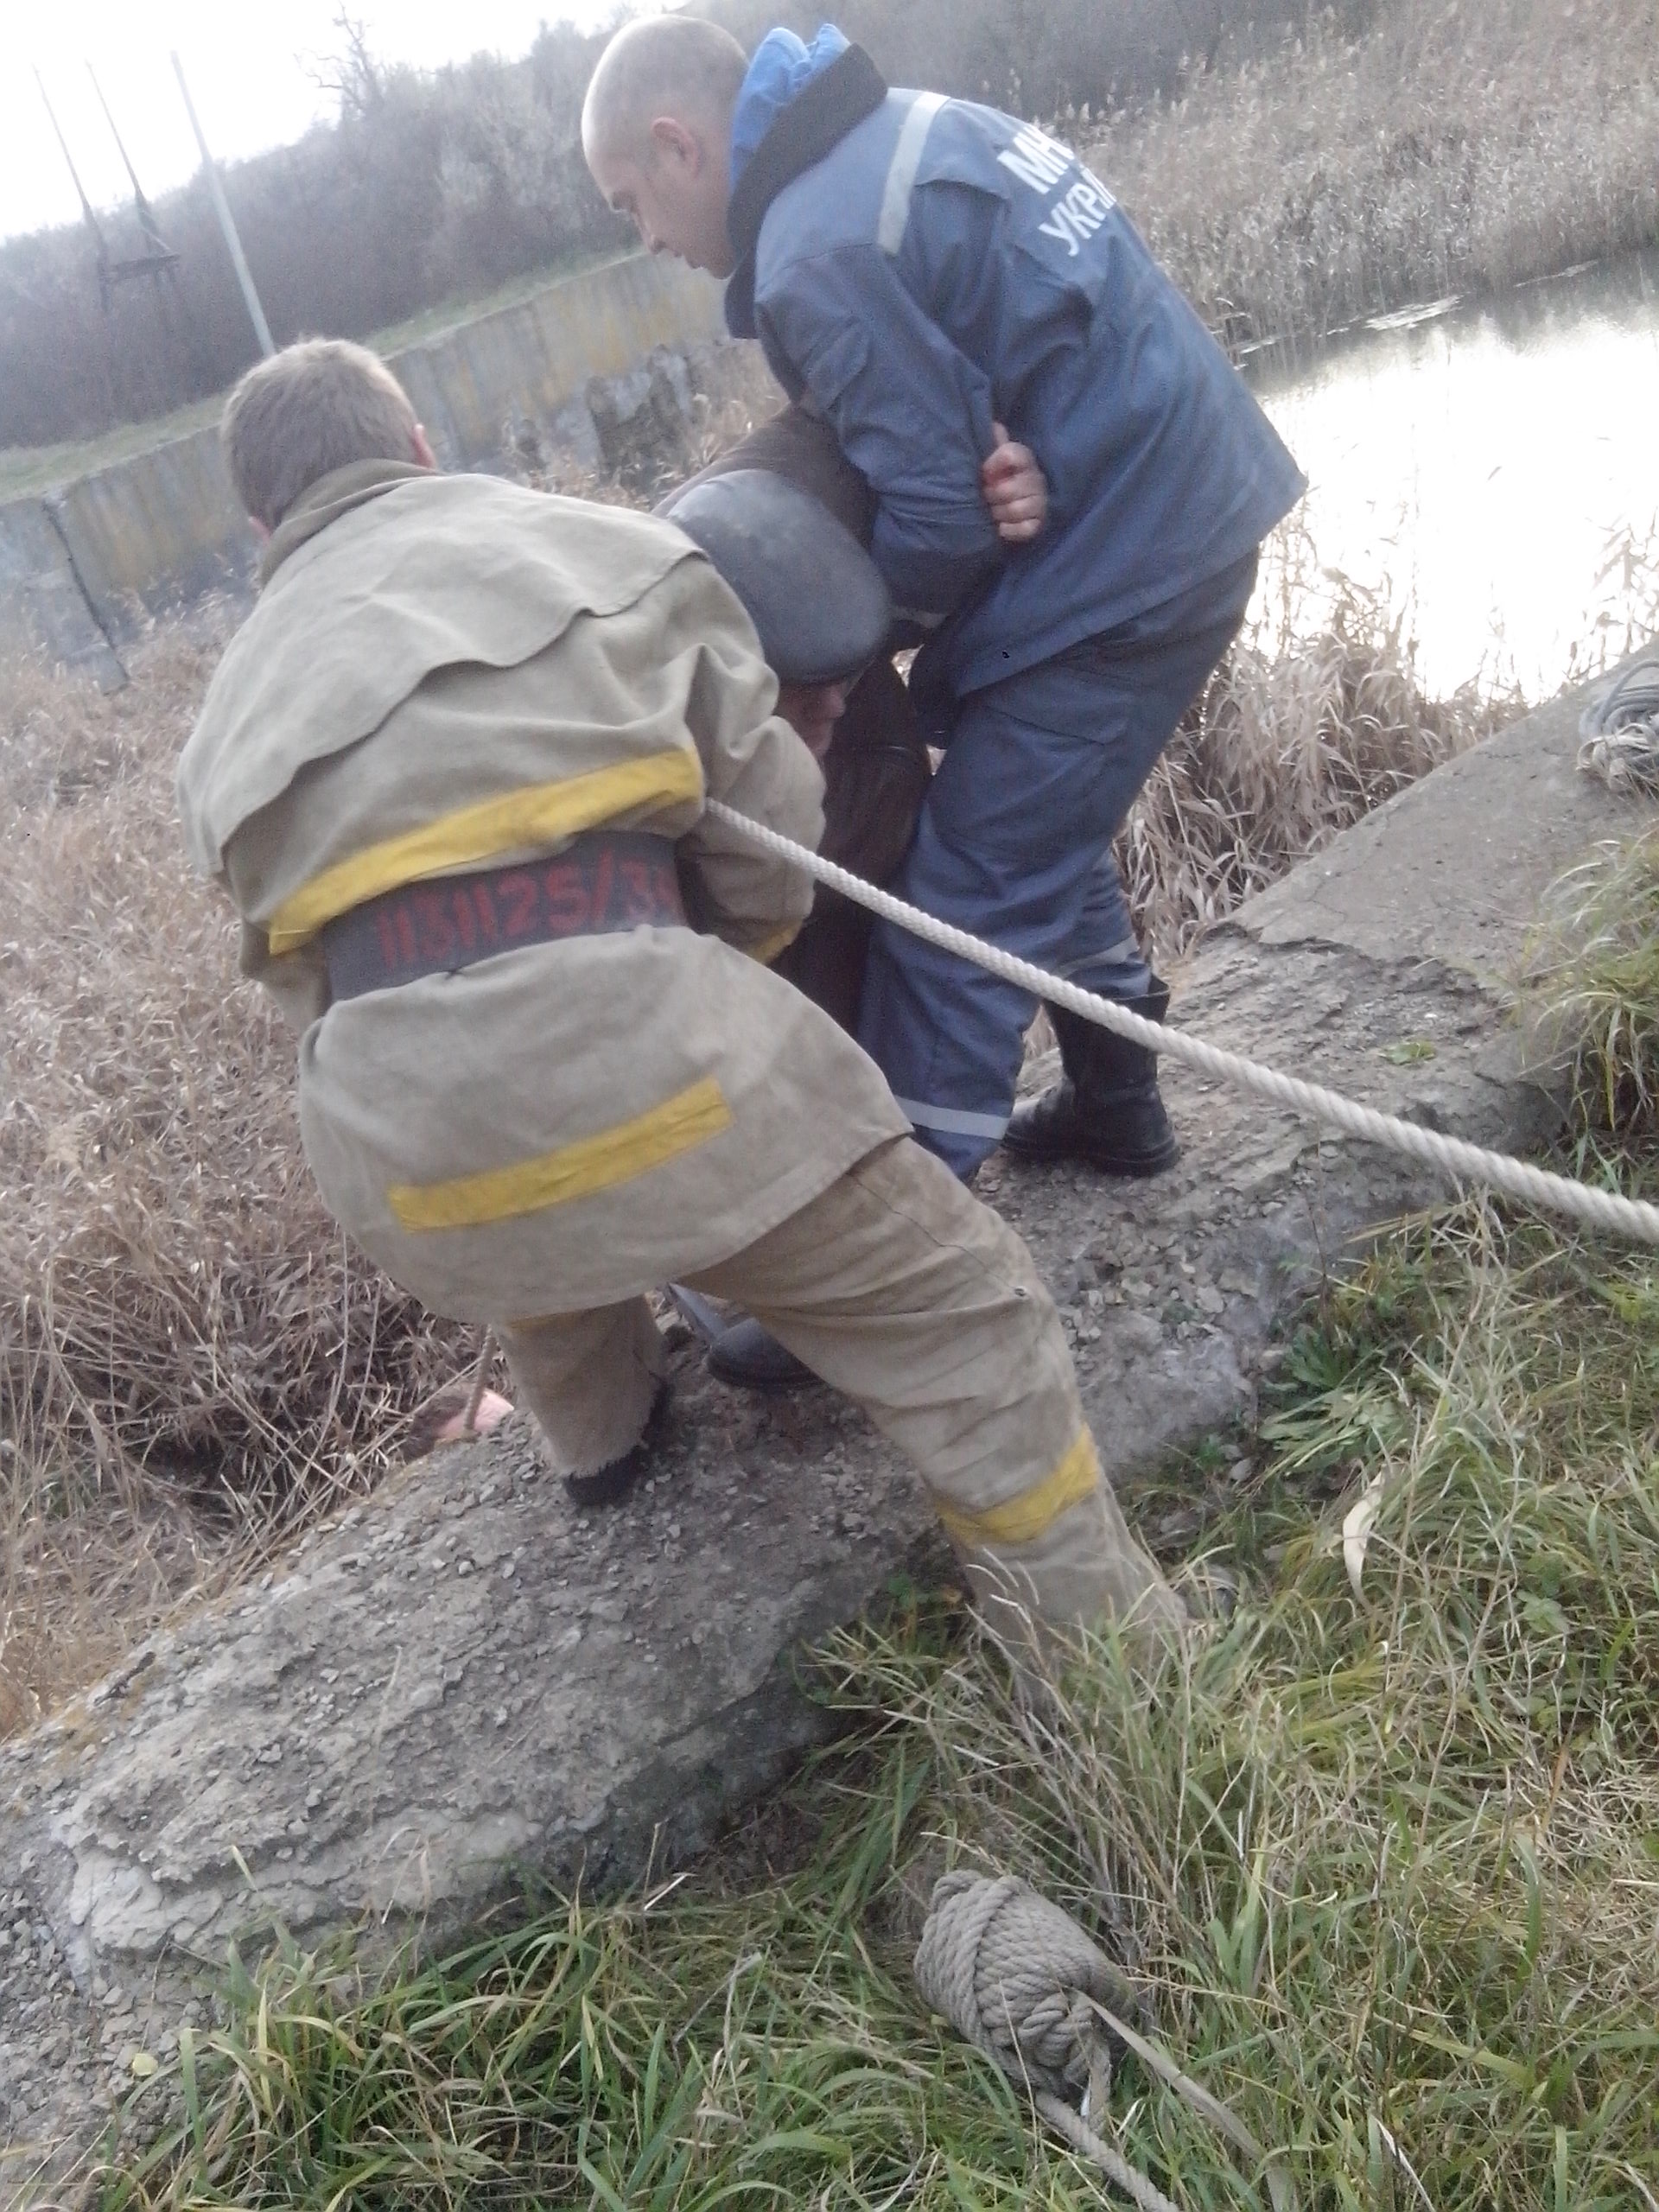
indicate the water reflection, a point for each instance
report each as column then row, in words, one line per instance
column 1477, row 460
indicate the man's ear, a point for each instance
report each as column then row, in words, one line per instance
column 678, row 142
column 421, row 446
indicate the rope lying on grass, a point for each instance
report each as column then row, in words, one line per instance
column 1017, row 1978
column 1535, row 1187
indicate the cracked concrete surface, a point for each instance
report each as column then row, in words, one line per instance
column 465, row 1677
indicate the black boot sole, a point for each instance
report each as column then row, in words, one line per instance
column 608, row 1484
column 1140, row 1168
column 770, row 1384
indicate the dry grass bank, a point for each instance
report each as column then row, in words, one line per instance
column 186, row 1348
column 1458, row 146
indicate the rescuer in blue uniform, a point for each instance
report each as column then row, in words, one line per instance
column 919, row 270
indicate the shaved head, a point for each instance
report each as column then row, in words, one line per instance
column 675, row 65
column 657, row 130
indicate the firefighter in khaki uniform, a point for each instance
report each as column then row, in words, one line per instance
column 452, row 771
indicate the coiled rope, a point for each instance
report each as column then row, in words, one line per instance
column 1017, row 1978
column 1620, row 731
column 1634, row 1218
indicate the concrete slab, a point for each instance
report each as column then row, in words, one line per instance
column 465, row 1676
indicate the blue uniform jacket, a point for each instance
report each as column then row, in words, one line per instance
column 918, row 267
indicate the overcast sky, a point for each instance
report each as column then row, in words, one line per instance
column 247, row 68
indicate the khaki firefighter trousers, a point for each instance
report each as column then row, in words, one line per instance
column 916, row 1301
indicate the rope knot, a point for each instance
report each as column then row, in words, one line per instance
column 1015, row 1976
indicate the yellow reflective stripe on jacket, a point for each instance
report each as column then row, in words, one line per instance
column 539, row 814
column 769, row 947
column 1022, row 1520
column 574, row 1170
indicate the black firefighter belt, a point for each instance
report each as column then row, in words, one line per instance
column 603, row 881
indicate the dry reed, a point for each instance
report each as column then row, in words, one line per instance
column 1306, row 725
column 1593, row 987
column 187, row 1349
column 1456, row 146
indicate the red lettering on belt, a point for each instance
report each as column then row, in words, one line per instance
column 604, row 871
column 461, row 907
column 568, row 907
column 518, row 895
column 436, row 931
column 638, row 905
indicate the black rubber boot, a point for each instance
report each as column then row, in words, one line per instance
column 1105, row 1109
column 607, row 1484
column 750, row 1357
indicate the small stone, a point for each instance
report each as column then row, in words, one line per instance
column 1210, row 1299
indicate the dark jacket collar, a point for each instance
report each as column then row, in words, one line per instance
column 812, row 125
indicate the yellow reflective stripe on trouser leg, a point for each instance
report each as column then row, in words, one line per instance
column 691, row 1118
column 539, row 814
column 1023, row 1519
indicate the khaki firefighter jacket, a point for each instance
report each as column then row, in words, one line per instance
column 450, row 673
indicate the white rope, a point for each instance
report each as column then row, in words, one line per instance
column 481, row 1384
column 1535, row 1187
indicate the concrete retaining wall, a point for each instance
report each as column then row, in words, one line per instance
column 83, row 566
column 43, row 606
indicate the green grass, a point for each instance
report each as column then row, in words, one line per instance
column 1386, row 1867
column 40, row 469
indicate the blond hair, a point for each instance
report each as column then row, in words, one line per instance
column 313, row 407
column 663, row 65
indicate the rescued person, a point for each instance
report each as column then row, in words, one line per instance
column 785, row 516
column 452, row 771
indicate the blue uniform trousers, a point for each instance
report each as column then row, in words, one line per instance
column 1015, row 843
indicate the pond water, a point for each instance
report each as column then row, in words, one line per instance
column 1480, row 461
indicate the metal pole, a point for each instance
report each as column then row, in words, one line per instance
column 222, row 209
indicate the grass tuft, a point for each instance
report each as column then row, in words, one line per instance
column 1595, row 986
